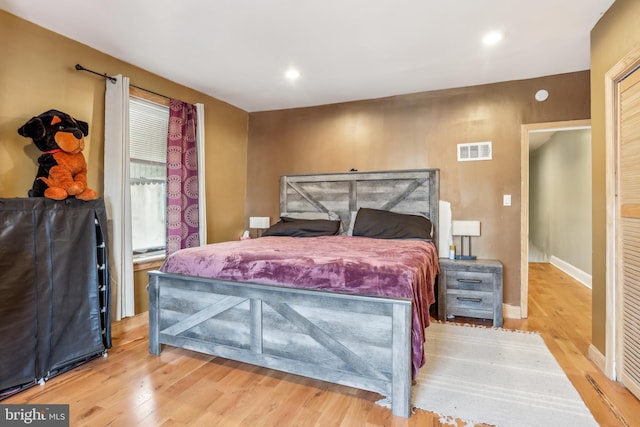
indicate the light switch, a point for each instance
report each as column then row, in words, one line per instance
column 506, row 199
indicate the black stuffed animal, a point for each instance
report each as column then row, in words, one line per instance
column 62, row 170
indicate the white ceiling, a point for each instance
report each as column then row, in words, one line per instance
column 238, row 50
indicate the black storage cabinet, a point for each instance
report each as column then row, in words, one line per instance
column 54, row 288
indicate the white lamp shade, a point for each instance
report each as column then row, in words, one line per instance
column 465, row 228
column 261, row 222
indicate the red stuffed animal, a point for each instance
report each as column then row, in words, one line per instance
column 62, row 170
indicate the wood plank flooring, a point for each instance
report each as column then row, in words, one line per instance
column 560, row 309
column 181, row 388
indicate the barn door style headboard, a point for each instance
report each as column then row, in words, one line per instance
column 405, row 191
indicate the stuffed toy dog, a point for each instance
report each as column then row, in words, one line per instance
column 62, row 170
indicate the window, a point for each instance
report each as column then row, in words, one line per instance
column 148, row 126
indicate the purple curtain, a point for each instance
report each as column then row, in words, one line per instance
column 182, row 178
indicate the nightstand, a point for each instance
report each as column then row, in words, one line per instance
column 470, row 289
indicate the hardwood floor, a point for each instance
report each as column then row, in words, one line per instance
column 560, row 309
column 181, row 388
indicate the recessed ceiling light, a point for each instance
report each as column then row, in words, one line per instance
column 292, row 74
column 492, row 38
column 541, row 95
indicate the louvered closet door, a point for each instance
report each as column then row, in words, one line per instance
column 629, row 238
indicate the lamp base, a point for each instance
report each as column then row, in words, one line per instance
column 465, row 257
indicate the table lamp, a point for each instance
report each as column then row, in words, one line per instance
column 466, row 229
column 260, row 223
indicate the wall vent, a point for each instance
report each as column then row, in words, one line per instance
column 474, row 151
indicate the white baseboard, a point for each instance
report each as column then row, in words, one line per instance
column 572, row 271
column 511, row 311
column 597, row 358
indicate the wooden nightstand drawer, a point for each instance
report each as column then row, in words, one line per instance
column 470, row 288
column 470, row 280
column 460, row 302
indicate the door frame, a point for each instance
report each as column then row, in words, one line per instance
column 525, row 130
column 613, row 338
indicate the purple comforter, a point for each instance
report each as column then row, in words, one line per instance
column 354, row 265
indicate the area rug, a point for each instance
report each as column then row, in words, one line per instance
column 497, row 377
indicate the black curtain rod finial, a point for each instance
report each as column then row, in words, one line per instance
column 111, row 79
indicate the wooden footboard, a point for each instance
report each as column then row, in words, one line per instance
column 357, row 341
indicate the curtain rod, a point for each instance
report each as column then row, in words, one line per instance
column 111, row 79
column 114, row 80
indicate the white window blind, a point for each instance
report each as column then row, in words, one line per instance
column 148, row 127
column 149, row 124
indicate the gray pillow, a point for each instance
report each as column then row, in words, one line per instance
column 382, row 224
column 294, row 227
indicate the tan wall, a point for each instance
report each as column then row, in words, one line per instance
column 421, row 131
column 411, row 131
column 141, row 280
column 615, row 35
column 37, row 73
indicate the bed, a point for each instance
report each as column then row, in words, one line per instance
column 302, row 323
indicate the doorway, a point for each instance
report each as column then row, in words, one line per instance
column 533, row 135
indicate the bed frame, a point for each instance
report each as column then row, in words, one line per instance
column 353, row 340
